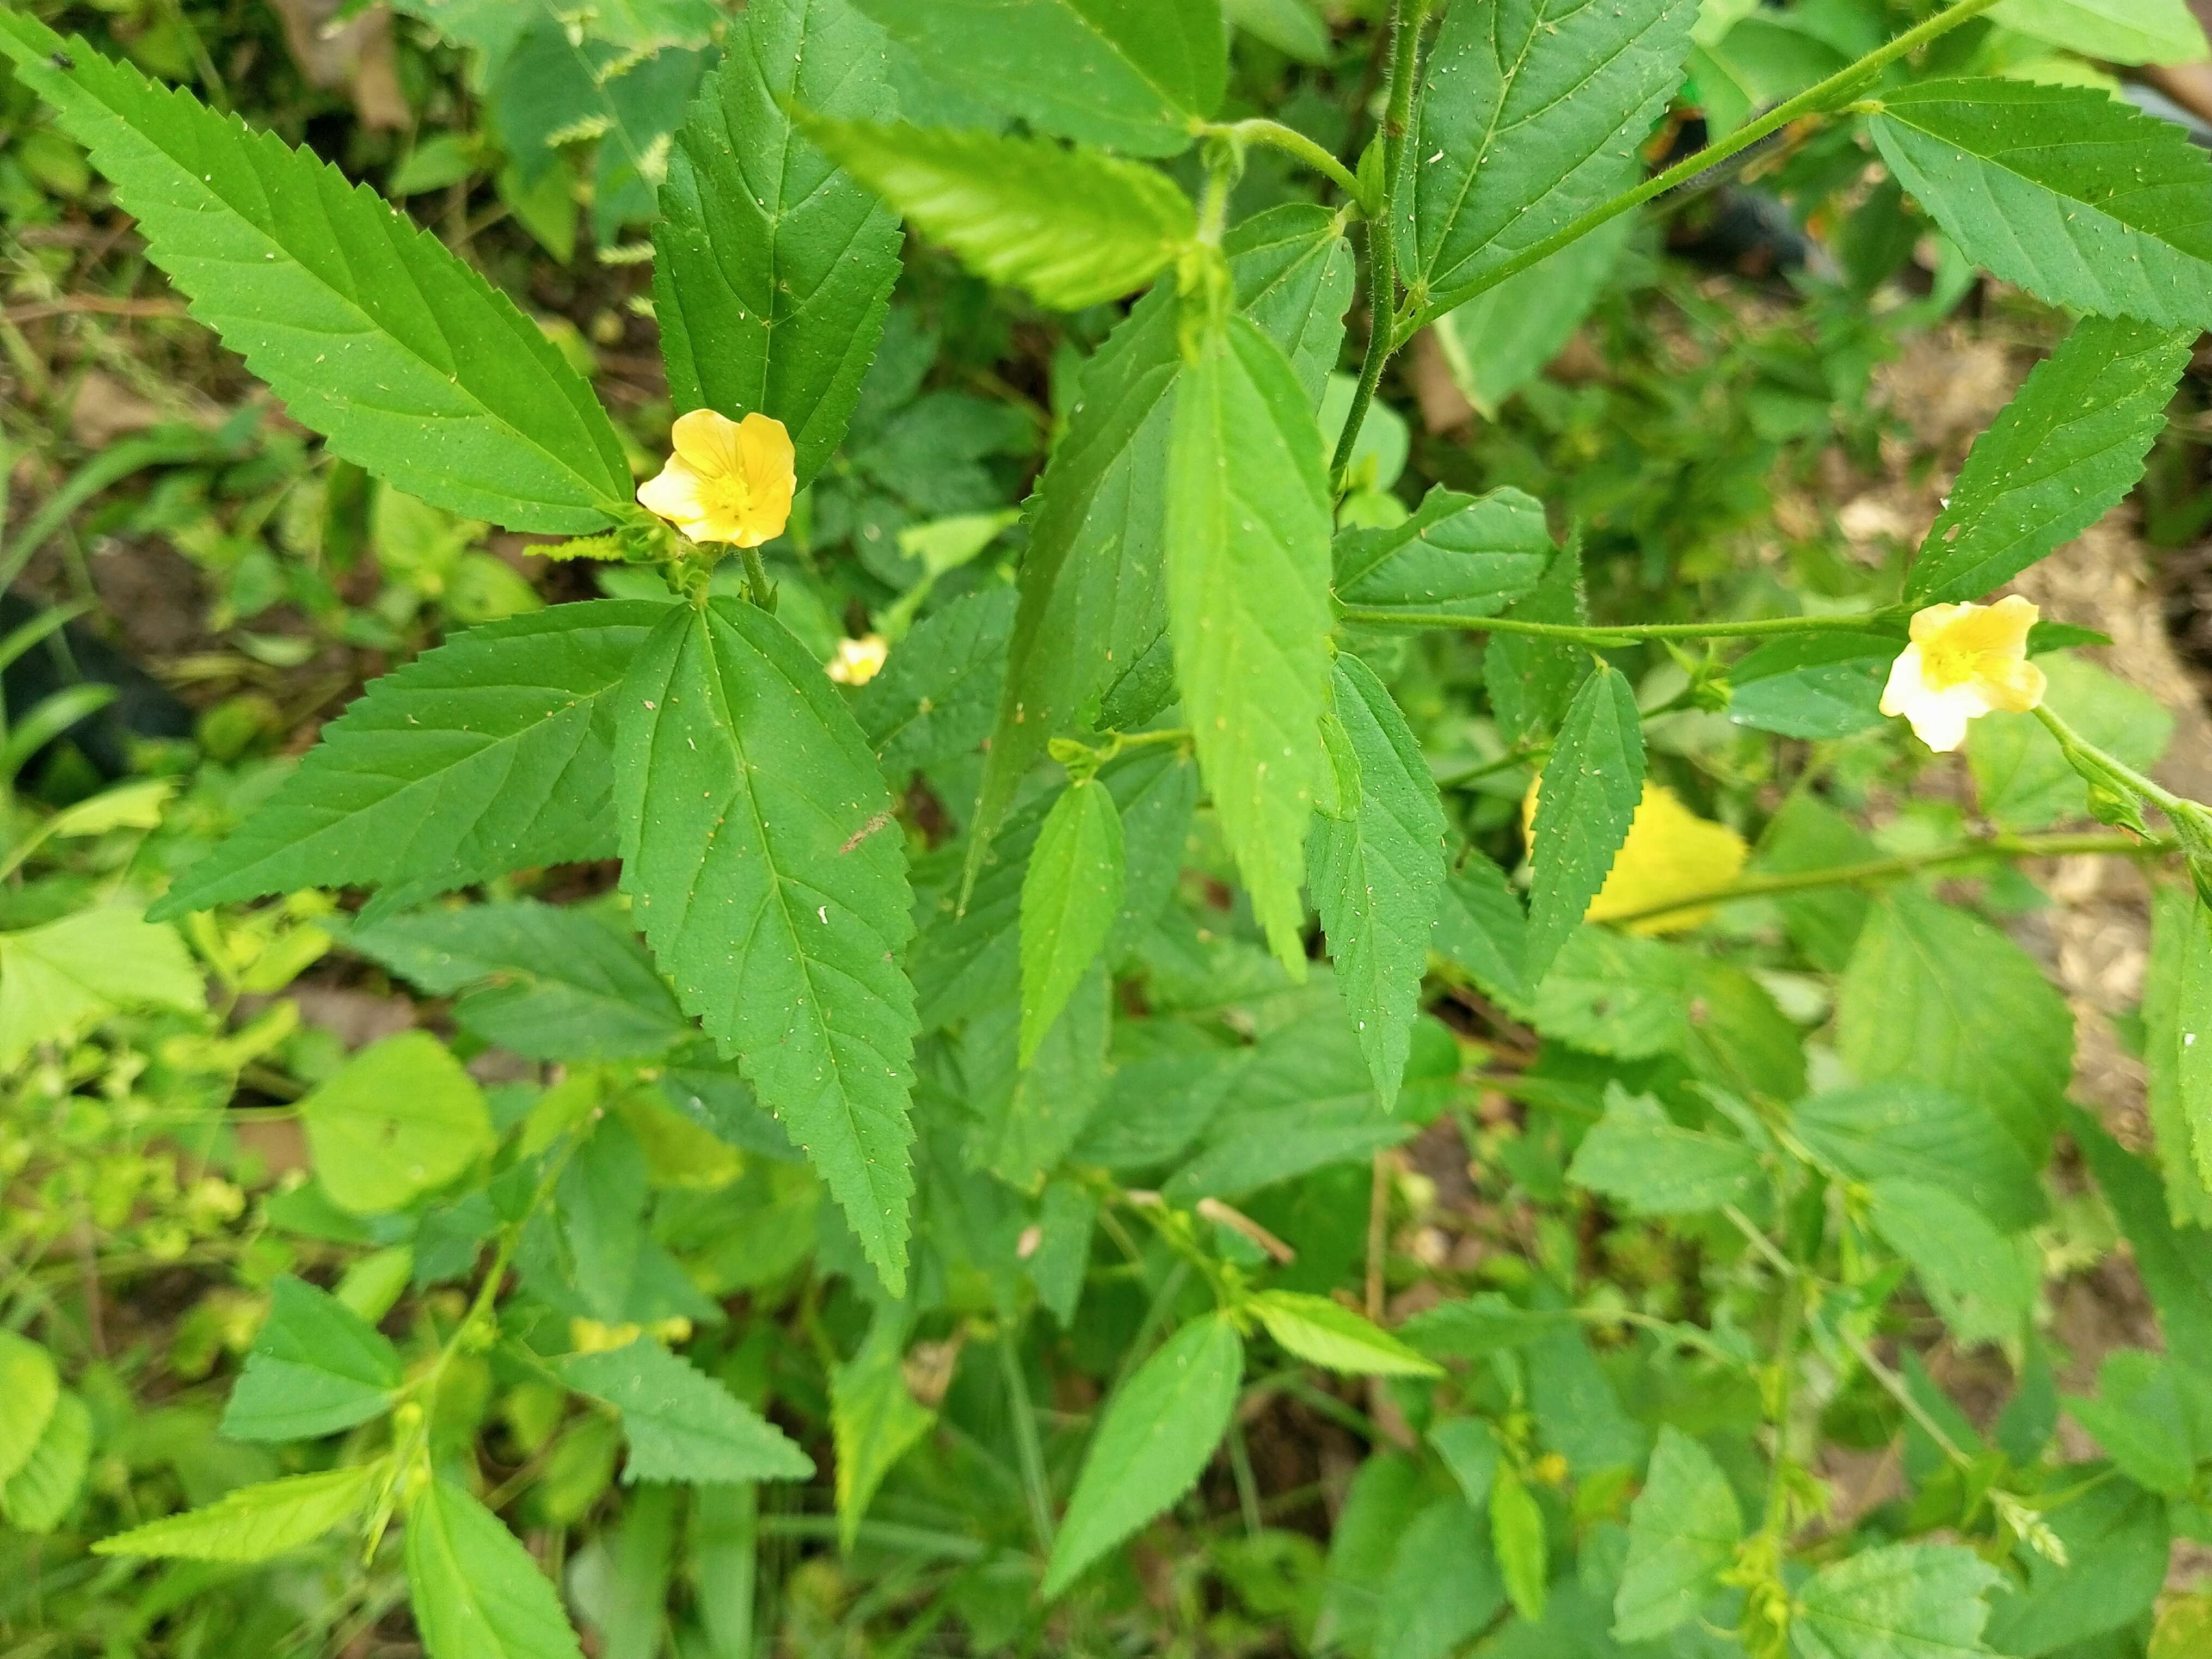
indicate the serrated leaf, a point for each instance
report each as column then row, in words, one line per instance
column 417, row 368
column 1592, row 786
column 1133, row 75
column 316, row 1367
column 1326, row 1333
column 1813, row 685
column 1157, row 1437
column 939, row 691
column 1518, row 1539
column 1977, row 1278
column 31, row 1387
column 1070, row 898
column 681, row 1424
column 1378, row 876
column 773, row 270
column 1465, row 555
column 2177, row 1015
column 398, row 1118
column 1903, row 1130
column 1481, row 930
column 1532, row 681
column 493, row 753
column 873, row 1421
column 1934, row 996
column 257, row 1522
column 1090, row 641
column 1248, row 535
column 1683, row 1530
column 769, row 877
column 555, row 982
column 2065, row 190
column 2067, row 448
column 40, row 1495
column 476, row 1593
column 2110, row 31
column 1639, row 1156
column 1531, row 113
column 1072, row 228
column 1899, row 1601
column 58, row 978
column 2153, row 1417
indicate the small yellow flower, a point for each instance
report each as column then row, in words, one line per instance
column 858, row 661
column 1965, row 661
column 728, row 480
column 1670, row 854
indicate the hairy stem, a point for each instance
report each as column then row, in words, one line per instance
column 1602, row 637
column 1292, row 142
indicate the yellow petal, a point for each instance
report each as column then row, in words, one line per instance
column 673, row 494
column 768, row 465
column 858, row 661
column 1671, row 853
column 709, row 440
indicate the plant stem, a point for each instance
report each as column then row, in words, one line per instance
column 1294, row 144
column 1406, row 19
column 1600, row 637
column 1908, row 864
column 1814, row 100
column 2164, row 800
column 1024, row 1414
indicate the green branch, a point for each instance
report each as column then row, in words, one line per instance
column 1295, row 144
column 1600, row 637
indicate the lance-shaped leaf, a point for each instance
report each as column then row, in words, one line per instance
column 1467, row 554
column 1683, row 1530
column 1157, row 1437
column 939, row 692
column 1592, row 786
column 769, row 877
column 1133, row 75
column 1531, row 112
column 681, row 1424
column 1070, row 898
column 317, row 1367
column 1088, row 640
column 476, row 1593
column 772, row 269
column 2065, row 190
column 257, row 1522
column 493, row 753
column 2064, row 450
column 1378, row 874
column 1248, row 534
column 1074, row 227
column 413, row 365
column 1326, row 1333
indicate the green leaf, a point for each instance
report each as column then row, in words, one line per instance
column 317, row 1367
column 414, row 367
column 38, row 1496
column 2176, row 1012
column 2063, row 190
column 565, row 983
column 1026, row 1125
column 770, row 880
column 398, row 1118
column 1637, row 1154
column 1155, row 1439
column 1506, row 337
column 1683, row 1530
column 32, row 1387
column 1070, row 898
column 1247, row 533
column 1133, row 75
column 1813, row 685
column 257, row 1522
column 1516, row 1538
column 1378, row 875
column 2151, row 1416
column 1468, row 554
column 1531, row 113
column 1072, row 228
column 2067, row 448
column 1934, row 997
column 2118, row 1544
column 773, row 270
column 2175, row 1265
column 938, row 690
column 476, row 1593
column 493, row 753
column 2111, row 31
column 58, row 978
column 1592, row 786
column 1089, row 642
column 1902, row 1131
column 1900, row 1601
column 681, row 1424
column 2023, row 778
column 874, row 1421
column 1977, row 1277
column 1294, row 28
column 1532, row 680
column 1471, row 1454
column 1326, row 1333
column 1481, row 930
column 1442, row 1588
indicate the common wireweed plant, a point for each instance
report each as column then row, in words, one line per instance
column 945, row 1013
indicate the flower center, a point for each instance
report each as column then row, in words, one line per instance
column 1944, row 664
column 728, row 495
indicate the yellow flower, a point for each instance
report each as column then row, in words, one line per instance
column 728, row 480
column 1670, row 854
column 858, row 661
column 1964, row 660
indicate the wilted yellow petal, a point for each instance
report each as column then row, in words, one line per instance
column 1670, row 854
